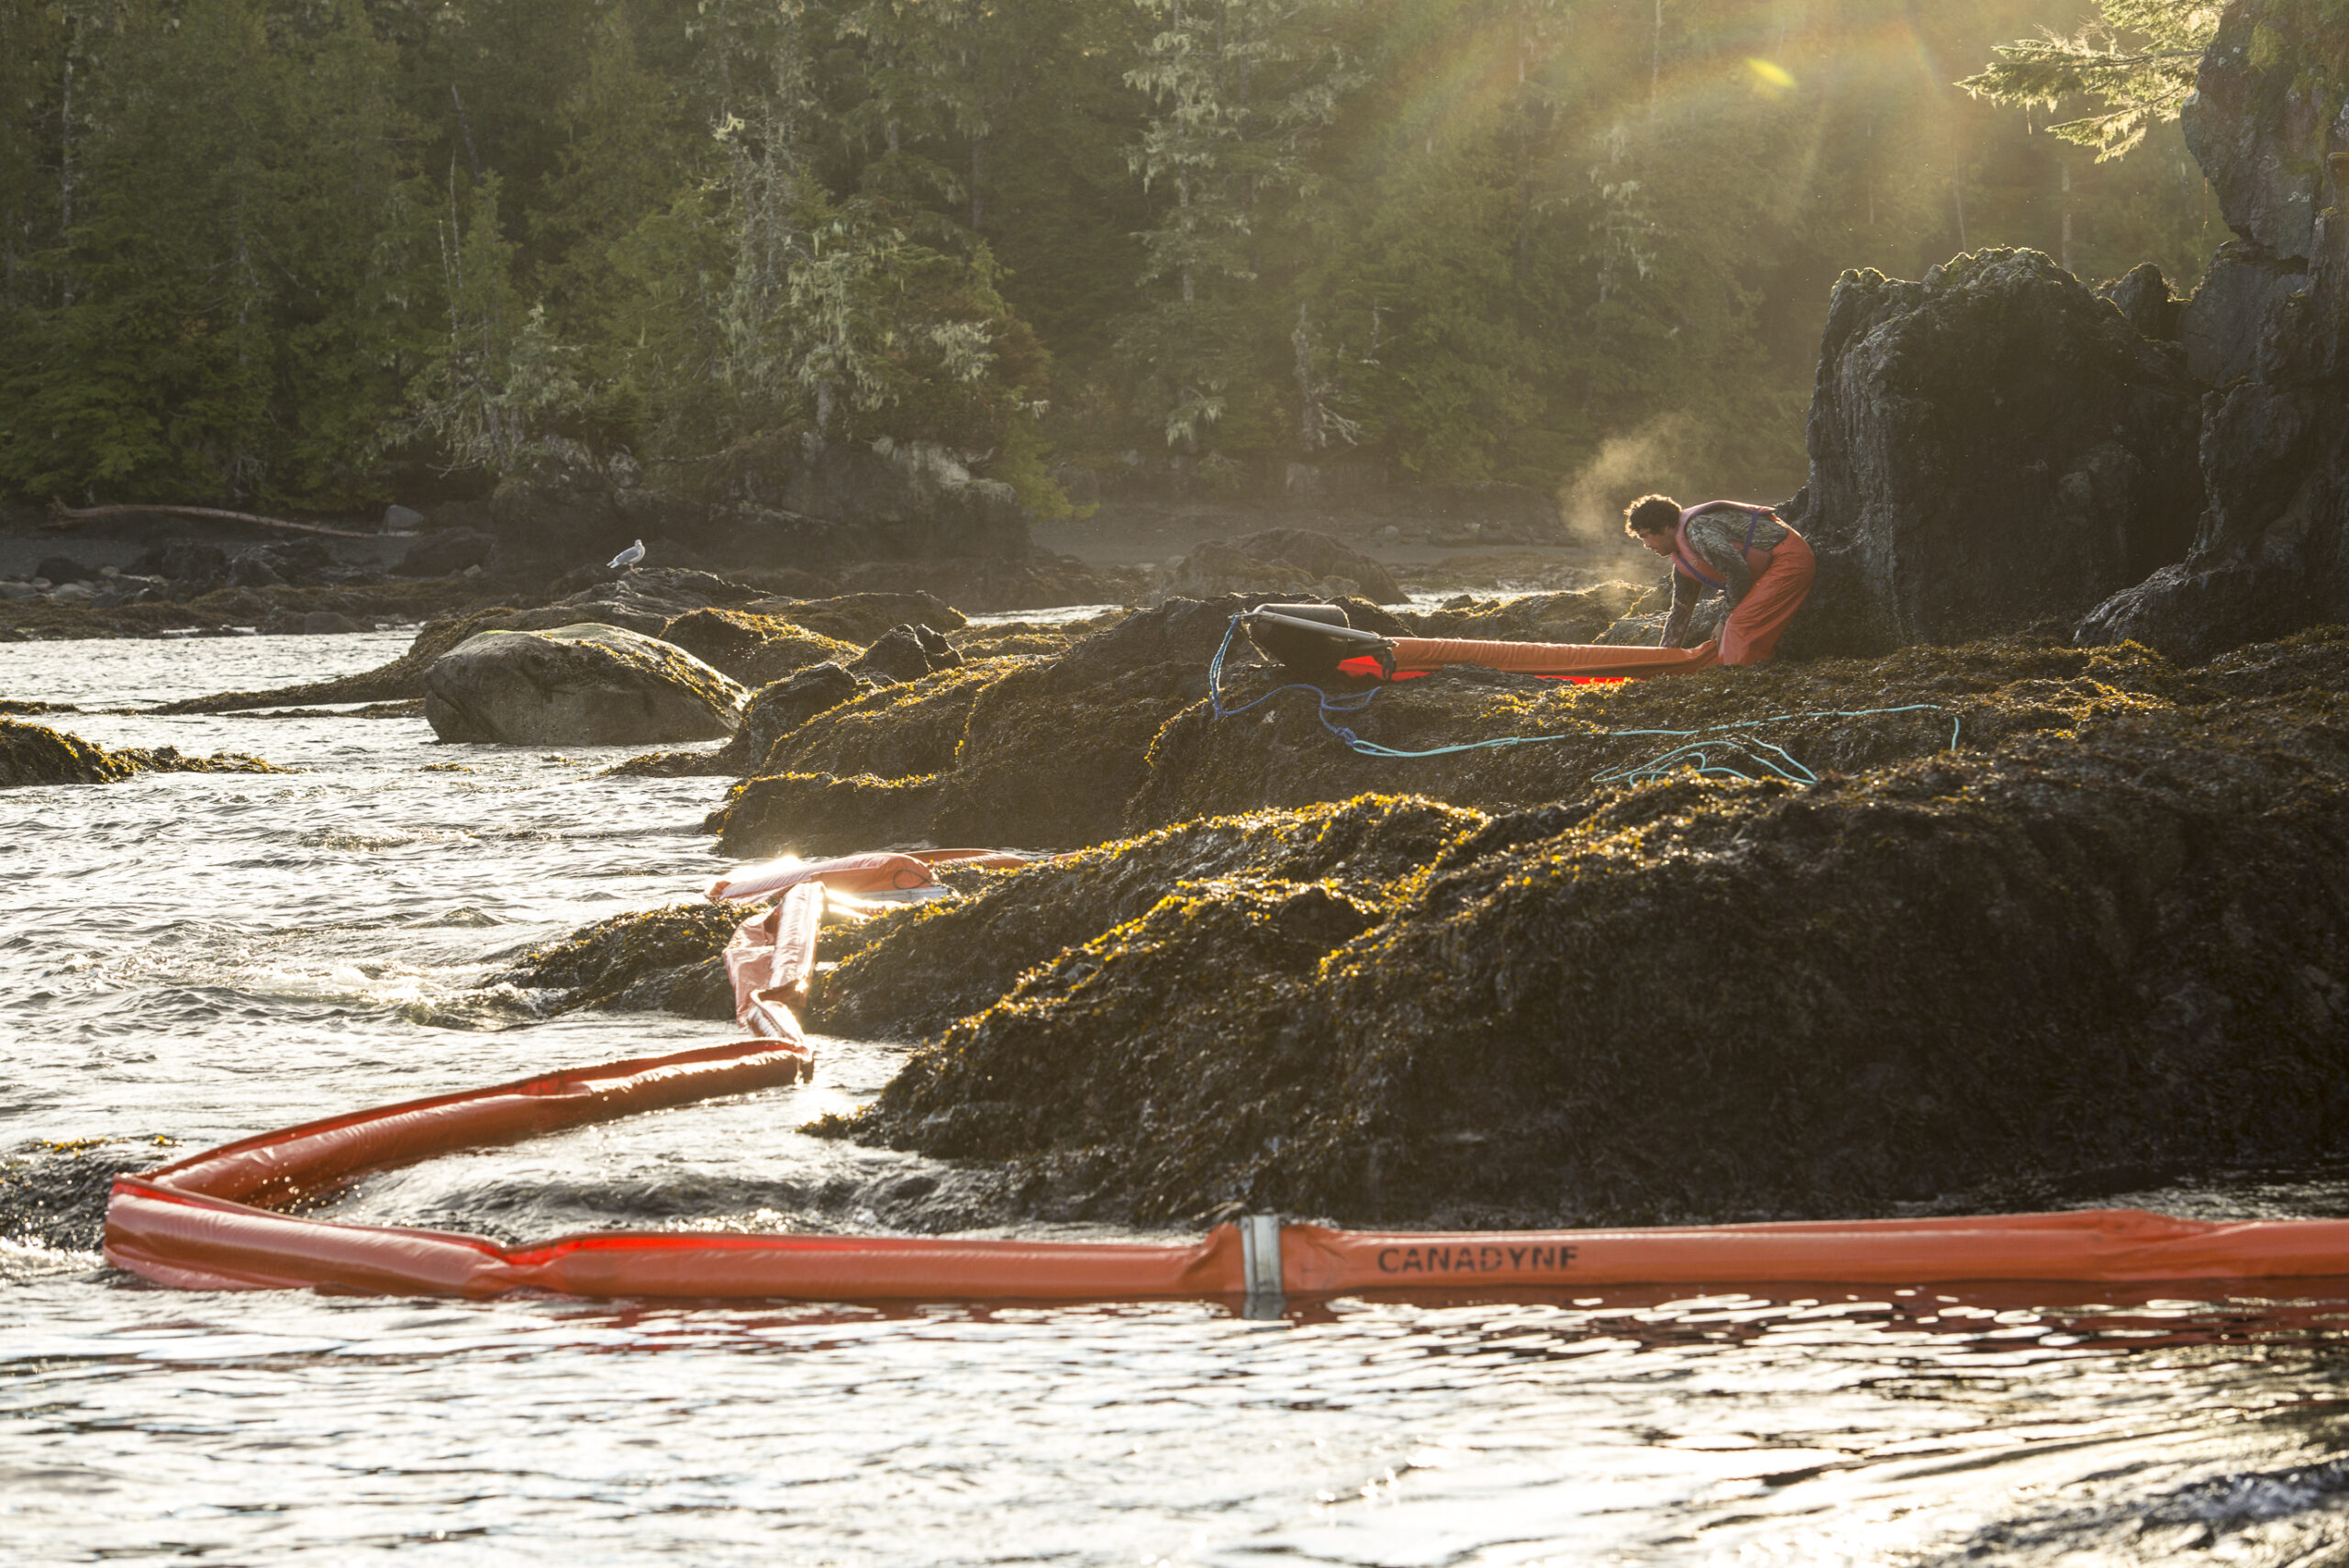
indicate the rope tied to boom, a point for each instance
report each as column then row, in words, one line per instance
column 1711, row 749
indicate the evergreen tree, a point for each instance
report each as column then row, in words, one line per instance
column 2139, row 58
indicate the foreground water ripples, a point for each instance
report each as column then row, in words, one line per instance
column 199, row 957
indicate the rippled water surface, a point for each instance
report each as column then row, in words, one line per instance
column 193, row 958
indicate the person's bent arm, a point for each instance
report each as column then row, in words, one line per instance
column 1685, row 590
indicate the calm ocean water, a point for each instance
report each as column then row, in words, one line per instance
column 197, row 958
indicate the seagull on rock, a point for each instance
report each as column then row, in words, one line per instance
column 629, row 556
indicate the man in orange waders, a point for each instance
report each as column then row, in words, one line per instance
column 1758, row 562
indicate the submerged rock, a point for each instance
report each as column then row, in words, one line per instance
column 54, row 1195
column 32, row 754
column 589, row 685
column 654, row 961
column 1529, row 1018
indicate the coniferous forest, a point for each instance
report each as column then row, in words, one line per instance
column 316, row 254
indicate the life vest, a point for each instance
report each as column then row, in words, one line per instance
column 1689, row 563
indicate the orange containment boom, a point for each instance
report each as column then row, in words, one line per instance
column 199, row 1224
column 1559, row 661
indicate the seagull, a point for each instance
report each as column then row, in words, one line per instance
column 629, row 556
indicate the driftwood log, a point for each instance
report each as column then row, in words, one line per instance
column 63, row 517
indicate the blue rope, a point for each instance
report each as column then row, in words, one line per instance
column 1770, row 760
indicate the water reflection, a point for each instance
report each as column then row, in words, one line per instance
column 1633, row 1427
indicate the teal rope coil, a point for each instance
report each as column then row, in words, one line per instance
column 1767, row 760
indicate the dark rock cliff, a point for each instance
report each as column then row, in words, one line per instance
column 2270, row 331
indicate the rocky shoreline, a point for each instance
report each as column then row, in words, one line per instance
column 2023, row 872
column 2103, row 932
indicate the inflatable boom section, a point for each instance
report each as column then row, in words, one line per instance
column 214, row 1220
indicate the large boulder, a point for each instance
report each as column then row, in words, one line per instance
column 1992, row 448
column 1325, row 557
column 577, row 685
column 785, row 706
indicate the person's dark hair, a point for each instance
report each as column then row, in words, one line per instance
column 1651, row 515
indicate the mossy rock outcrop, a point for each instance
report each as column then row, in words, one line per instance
column 587, row 685
column 861, row 617
column 1046, row 753
column 753, row 650
column 2107, row 939
column 1111, row 736
column 2122, row 946
column 34, row 754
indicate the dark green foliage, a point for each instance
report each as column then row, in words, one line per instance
column 303, row 255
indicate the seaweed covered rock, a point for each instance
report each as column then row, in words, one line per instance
column 590, row 685
column 2121, row 946
column 753, row 650
column 1326, row 557
column 905, row 652
column 891, row 732
column 1012, row 639
column 1112, row 736
column 1033, row 752
column 773, row 712
column 1500, row 741
column 934, row 963
column 1990, row 448
column 861, row 617
column 663, row 959
column 824, row 814
column 1055, row 748
column 776, row 710
column 33, row 755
